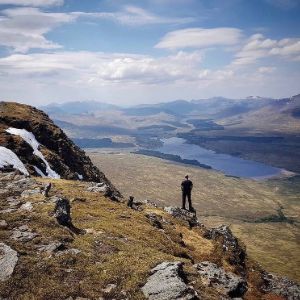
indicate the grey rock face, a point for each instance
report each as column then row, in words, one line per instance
column 46, row 189
column 281, row 286
column 23, row 234
column 230, row 244
column 51, row 248
column 226, row 282
column 97, row 187
column 183, row 214
column 155, row 220
column 8, row 261
column 166, row 283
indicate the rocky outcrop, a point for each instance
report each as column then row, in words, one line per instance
column 183, row 214
column 62, row 155
column 235, row 251
column 8, row 261
column 166, row 282
column 227, row 283
column 281, row 286
column 62, row 213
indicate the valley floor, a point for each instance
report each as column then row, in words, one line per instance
column 265, row 214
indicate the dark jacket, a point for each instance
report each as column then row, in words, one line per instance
column 186, row 186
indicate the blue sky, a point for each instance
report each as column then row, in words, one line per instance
column 147, row 51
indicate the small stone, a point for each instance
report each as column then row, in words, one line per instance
column 8, row 261
column 51, row 248
column 27, row 206
column 109, row 288
column 3, row 224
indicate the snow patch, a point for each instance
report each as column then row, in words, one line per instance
column 7, row 157
column 29, row 138
column 80, row 177
column 39, row 171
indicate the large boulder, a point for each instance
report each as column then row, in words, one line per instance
column 227, row 283
column 166, row 283
column 8, row 261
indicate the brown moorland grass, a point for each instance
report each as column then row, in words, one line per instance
column 218, row 199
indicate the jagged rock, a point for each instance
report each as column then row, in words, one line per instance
column 62, row 213
column 46, row 189
column 26, row 206
column 281, row 286
column 237, row 253
column 3, row 224
column 226, row 282
column 51, row 248
column 184, row 215
column 155, row 220
column 97, row 187
column 166, row 283
column 13, row 201
column 8, row 261
column 23, row 234
column 28, row 193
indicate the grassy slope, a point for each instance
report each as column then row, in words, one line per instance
column 218, row 199
column 121, row 248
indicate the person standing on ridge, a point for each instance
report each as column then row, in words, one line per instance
column 186, row 188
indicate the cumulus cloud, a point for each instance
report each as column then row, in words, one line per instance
column 35, row 3
column 258, row 47
column 24, row 28
column 200, row 38
column 104, row 68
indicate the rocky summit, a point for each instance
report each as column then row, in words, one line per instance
column 66, row 233
column 42, row 147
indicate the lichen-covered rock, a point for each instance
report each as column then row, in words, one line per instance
column 226, row 283
column 166, row 283
column 8, row 261
column 23, row 234
column 230, row 244
column 155, row 220
column 184, row 215
column 281, row 286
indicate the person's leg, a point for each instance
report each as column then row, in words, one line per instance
column 183, row 200
column 190, row 201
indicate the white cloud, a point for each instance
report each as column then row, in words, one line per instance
column 258, row 47
column 24, row 28
column 35, row 3
column 266, row 70
column 200, row 38
column 97, row 67
column 134, row 16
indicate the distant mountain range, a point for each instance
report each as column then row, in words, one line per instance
column 217, row 107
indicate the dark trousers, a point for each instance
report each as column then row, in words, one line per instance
column 184, row 196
